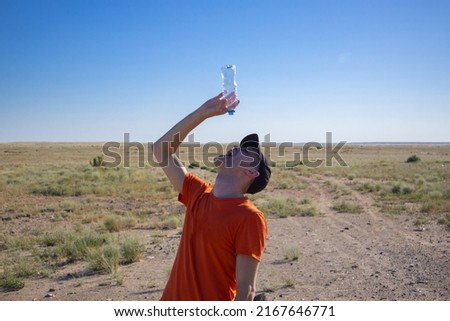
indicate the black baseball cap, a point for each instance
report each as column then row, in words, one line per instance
column 262, row 180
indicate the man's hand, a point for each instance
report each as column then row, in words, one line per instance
column 164, row 149
column 217, row 105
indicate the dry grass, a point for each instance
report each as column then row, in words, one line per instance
column 56, row 208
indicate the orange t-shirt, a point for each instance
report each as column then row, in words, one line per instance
column 215, row 230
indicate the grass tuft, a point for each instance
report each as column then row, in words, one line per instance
column 347, row 207
column 131, row 249
column 291, row 253
column 286, row 207
column 11, row 282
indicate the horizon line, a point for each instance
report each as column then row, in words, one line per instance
column 187, row 143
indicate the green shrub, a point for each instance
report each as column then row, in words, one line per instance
column 413, row 159
column 11, row 282
column 97, row 161
column 84, row 243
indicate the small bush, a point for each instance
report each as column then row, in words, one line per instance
column 51, row 239
column 413, row 159
column 131, row 250
column 401, row 189
column 420, row 221
column 25, row 268
column 368, row 187
column 115, row 223
column 308, row 211
column 305, row 201
column 171, row 222
column 105, row 258
column 97, row 161
column 292, row 253
column 435, row 194
column 445, row 220
column 396, row 189
column 83, row 244
column 10, row 282
column 347, row 207
column 407, row 190
column 20, row 242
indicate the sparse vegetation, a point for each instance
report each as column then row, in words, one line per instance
column 283, row 208
column 58, row 208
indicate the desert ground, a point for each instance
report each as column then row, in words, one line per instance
column 376, row 229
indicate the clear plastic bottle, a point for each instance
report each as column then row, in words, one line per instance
column 229, row 86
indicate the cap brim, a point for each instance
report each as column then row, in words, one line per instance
column 251, row 140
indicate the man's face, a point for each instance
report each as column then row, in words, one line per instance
column 238, row 157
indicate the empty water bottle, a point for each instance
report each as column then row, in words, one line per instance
column 229, row 86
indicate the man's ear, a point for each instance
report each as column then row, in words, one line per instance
column 253, row 173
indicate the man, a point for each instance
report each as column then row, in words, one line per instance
column 224, row 234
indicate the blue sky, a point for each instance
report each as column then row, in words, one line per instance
column 89, row 70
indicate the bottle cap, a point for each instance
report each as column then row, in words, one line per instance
column 230, row 112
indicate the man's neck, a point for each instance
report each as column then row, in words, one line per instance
column 226, row 186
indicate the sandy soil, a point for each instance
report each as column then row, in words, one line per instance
column 366, row 256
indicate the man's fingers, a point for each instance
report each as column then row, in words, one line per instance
column 234, row 104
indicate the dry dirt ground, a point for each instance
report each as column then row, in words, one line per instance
column 336, row 256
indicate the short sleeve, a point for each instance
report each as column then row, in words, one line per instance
column 251, row 235
column 193, row 187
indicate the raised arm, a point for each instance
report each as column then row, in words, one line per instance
column 164, row 149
